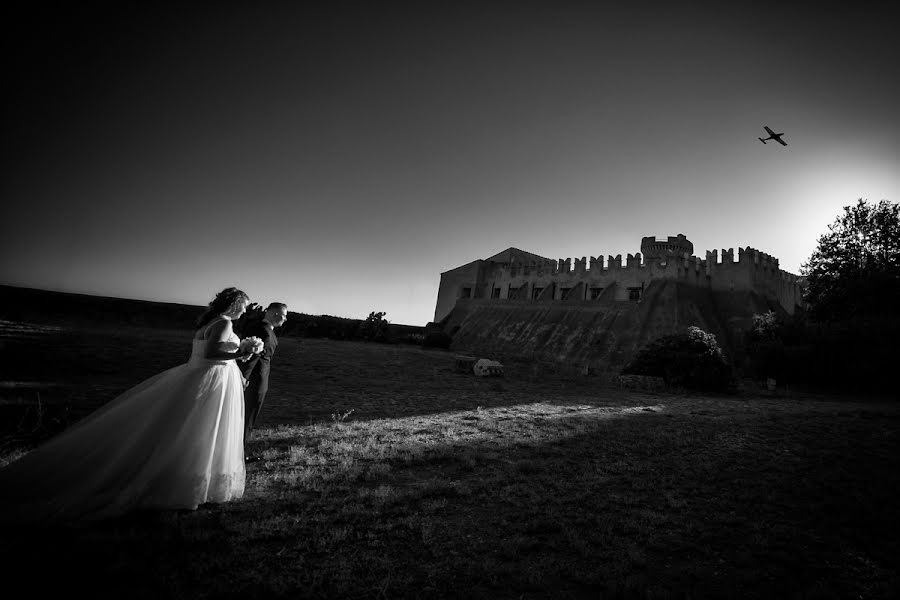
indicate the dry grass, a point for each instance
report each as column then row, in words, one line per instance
column 440, row 484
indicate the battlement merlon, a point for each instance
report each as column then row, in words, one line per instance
column 746, row 255
column 757, row 257
column 659, row 265
column 580, row 265
column 670, row 266
column 674, row 249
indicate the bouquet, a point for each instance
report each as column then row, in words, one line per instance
column 252, row 343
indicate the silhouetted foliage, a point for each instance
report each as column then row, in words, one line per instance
column 321, row 326
column 340, row 328
column 855, row 269
column 851, row 355
column 691, row 359
column 853, row 291
column 375, row 328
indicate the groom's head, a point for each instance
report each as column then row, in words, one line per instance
column 276, row 314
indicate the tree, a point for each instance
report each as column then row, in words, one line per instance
column 765, row 347
column 375, row 328
column 855, row 269
column 765, row 327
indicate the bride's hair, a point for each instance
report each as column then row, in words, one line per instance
column 222, row 303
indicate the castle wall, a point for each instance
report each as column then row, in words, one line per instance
column 583, row 281
column 453, row 283
column 753, row 270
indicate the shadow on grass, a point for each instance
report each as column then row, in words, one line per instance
column 531, row 501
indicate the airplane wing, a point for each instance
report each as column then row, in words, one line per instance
column 780, row 141
column 769, row 130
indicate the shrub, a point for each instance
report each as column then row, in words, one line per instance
column 437, row 339
column 375, row 328
column 764, row 347
column 691, row 359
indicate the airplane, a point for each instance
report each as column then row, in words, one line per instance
column 773, row 136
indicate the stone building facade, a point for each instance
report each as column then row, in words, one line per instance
column 522, row 276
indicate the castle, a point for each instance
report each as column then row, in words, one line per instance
column 597, row 314
column 522, row 276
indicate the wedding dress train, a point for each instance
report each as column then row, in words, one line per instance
column 174, row 441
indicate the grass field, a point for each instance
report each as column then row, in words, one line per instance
column 389, row 475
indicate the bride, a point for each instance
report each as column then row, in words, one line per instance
column 174, row 441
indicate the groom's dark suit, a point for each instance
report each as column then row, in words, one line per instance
column 256, row 370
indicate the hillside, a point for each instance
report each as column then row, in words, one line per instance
column 50, row 307
column 63, row 308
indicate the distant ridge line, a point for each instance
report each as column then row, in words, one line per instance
column 56, row 307
column 18, row 303
column 4, row 286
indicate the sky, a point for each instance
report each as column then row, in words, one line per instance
column 340, row 156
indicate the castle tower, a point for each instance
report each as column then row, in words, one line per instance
column 678, row 245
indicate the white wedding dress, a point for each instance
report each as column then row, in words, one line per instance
column 174, row 441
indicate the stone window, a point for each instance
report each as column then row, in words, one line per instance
column 466, row 292
column 536, row 292
column 634, row 293
column 512, row 292
column 564, row 293
column 495, row 293
column 595, row 292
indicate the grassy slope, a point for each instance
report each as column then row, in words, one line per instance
column 441, row 484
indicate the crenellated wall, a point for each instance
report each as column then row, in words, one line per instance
column 514, row 275
column 634, row 272
column 754, row 271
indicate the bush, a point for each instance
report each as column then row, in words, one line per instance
column 437, row 339
column 691, row 359
column 375, row 328
column 764, row 348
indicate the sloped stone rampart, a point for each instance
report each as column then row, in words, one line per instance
column 601, row 335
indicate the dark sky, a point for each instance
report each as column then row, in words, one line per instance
column 339, row 157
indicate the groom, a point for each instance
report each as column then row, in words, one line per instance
column 256, row 370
